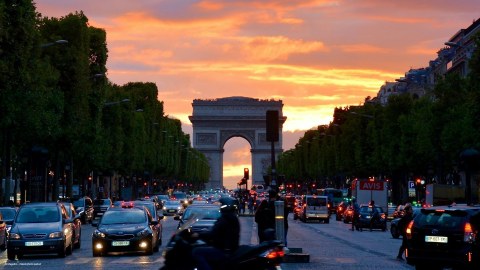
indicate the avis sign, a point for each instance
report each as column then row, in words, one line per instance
column 371, row 185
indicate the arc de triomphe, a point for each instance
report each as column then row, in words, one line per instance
column 215, row 121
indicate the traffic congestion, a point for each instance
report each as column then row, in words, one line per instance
column 56, row 234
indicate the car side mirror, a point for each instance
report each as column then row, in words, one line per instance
column 154, row 222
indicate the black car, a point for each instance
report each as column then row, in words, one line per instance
column 41, row 228
column 394, row 230
column 125, row 230
column 155, row 215
column 100, row 206
column 8, row 214
column 341, row 207
column 84, row 207
column 365, row 217
column 444, row 236
column 206, row 214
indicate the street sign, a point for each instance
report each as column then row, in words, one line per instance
column 411, row 184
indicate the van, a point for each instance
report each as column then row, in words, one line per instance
column 315, row 207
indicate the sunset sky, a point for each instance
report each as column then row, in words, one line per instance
column 314, row 55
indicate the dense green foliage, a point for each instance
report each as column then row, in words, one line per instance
column 406, row 138
column 55, row 96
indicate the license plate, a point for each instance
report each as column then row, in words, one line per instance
column 100, row 214
column 120, row 243
column 436, row 239
column 171, row 211
column 34, row 244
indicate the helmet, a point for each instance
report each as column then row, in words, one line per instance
column 227, row 205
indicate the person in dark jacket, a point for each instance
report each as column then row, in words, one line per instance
column 224, row 238
column 261, row 218
column 402, row 225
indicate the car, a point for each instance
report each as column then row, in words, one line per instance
column 172, row 207
column 297, row 209
column 348, row 214
column 341, row 207
column 444, row 236
column 8, row 214
column 394, row 230
column 315, row 207
column 156, row 215
column 84, row 207
column 100, row 206
column 41, row 228
column 180, row 196
column 125, row 230
column 207, row 215
column 290, row 201
column 3, row 233
column 365, row 216
column 398, row 212
column 76, row 224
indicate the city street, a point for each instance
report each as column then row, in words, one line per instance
column 330, row 246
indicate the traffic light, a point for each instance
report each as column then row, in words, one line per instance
column 245, row 173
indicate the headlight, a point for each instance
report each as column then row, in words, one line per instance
column 15, row 236
column 145, row 232
column 98, row 233
column 164, row 208
column 55, row 235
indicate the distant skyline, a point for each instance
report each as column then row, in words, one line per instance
column 314, row 55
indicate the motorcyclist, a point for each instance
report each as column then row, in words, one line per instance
column 224, row 238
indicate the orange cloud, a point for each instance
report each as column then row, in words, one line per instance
column 364, row 48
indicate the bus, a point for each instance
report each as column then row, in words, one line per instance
column 335, row 196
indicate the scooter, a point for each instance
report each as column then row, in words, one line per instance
column 268, row 255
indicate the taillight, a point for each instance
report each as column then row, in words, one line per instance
column 468, row 235
column 383, row 216
column 409, row 230
column 276, row 253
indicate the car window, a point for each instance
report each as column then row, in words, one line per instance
column 102, row 202
column 38, row 215
column 8, row 213
column 203, row 213
column 123, row 217
column 316, row 202
column 441, row 219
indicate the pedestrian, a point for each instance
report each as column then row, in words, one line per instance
column 262, row 215
column 375, row 216
column 242, row 205
column 402, row 225
column 356, row 212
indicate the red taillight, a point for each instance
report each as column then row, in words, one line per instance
column 409, row 230
column 468, row 235
column 275, row 253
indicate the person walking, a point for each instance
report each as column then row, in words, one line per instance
column 356, row 212
column 402, row 225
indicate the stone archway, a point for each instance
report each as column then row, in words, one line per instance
column 215, row 121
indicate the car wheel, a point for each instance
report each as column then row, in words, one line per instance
column 4, row 246
column 394, row 231
column 150, row 248
column 327, row 221
column 62, row 252
column 70, row 248
column 10, row 255
column 77, row 245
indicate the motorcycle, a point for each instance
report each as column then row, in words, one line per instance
column 267, row 255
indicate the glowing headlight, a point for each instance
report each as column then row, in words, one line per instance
column 55, row 235
column 145, row 232
column 98, row 233
column 164, row 208
column 15, row 236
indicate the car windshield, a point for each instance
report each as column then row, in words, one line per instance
column 8, row 213
column 367, row 209
column 123, row 217
column 203, row 213
column 102, row 202
column 172, row 203
column 38, row 215
column 149, row 206
column 78, row 203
